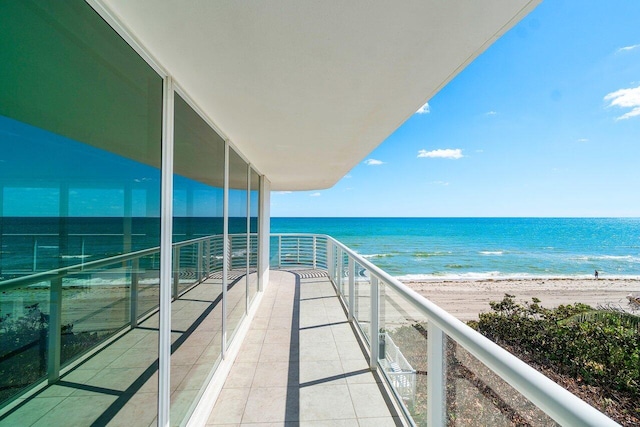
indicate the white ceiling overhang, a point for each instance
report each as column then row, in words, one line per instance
column 306, row 89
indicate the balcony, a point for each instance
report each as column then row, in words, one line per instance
column 331, row 339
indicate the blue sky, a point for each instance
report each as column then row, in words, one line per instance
column 546, row 122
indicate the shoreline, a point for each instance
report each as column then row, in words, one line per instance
column 467, row 298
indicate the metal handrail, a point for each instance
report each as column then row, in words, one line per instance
column 32, row 279
column 561, row 405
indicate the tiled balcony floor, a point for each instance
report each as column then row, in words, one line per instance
column 301, row 364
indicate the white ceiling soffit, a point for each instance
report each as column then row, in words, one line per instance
column 306, row 89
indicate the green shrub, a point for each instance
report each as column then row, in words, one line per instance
column 600, row 349
column 23, row 349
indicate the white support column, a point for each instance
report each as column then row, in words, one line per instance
column 375, row 324
column 436, row 382
column 225, row 248
column 166, row 231
column 264, row 230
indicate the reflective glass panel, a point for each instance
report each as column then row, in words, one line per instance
column 80, row 143
column 196, row 315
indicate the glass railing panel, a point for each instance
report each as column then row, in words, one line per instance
column 188, row 267
column 343, row 275
column 362, row 299
column 236, row 283
column 196, row 319
column 321, row 253
column 147, row 276
column 216, row 252
column 23, row 338
column 478, row 396
column 96, row 303
column 252, row 278
column 403, row 351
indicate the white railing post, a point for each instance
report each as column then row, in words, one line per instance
column 375, row 324
column 279, row 251
column 176, row 272
column 199, row 268
column 207, row 256
column 298, row 251
column 35, row 254
column 352, row 286
column 55, row 333
column 436, row 382
column 340, row 260
column 315, row 252
column 133, row 293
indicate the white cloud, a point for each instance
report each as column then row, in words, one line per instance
column 347, row 176
column 283, row 192
column 443, row 183
column 447, row 153
column 479, row 151
column 491, row 113
column 315, row 194
column 373, row 162
column 625, row 98
column 583, row 140
column 628, row 48
column 425, row 109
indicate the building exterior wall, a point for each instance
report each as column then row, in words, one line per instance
column 81, row 182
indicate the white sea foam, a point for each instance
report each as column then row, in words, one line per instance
column 376, row 255
column 74, row 256
column 496, row 275
column 498, row 253
column 628, row 258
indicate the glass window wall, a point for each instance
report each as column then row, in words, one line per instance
column 80, row 191
column 254, row 212
column 80, row 142
column 198, row 228
column 238, row 241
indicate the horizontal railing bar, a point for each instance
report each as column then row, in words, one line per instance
column 76, row 268
column 557, row 402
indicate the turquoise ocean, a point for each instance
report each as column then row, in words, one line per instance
column 481, row 248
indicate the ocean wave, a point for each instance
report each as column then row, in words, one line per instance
column 74, row 256
column 430, row 254
column 497, row 253
column 367, row 256
column 628, row 258
column 457, row 266
column 497, row 275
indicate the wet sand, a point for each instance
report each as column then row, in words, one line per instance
column 465, row 299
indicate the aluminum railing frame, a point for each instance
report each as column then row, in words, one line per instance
column 558, row 403
column 55, row 278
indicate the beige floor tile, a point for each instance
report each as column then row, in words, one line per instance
column 32, row 410
column 328, row 372
column 142, row 407
column 241, row 375
column 276, row 374
column 269, row 404
column 77, row 411
column 325, row 402
column 230, row 406
column 368, row 401
column 278, row 353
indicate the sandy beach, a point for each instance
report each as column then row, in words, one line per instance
column 465, row 299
